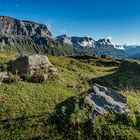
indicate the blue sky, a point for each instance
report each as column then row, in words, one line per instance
column 118, row 19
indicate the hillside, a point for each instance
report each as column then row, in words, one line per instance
column 132, row 49
column 135, row 56
column 49, row 110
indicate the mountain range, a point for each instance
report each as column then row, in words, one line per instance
column 27, row 36
column 88, row 46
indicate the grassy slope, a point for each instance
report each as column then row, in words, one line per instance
column 26, row 107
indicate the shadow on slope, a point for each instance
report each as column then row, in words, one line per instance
column 59, row 124
column 127, row 76
column 32, row 126
column 63, row 112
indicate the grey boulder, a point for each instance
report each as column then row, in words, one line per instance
column 103, row 100
column 35, row 65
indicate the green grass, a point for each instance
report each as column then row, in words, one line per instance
column 127, row 76
column 36, row 111
column 25, row 104
column 6, row 57
column 133, row 98
column 69, row 69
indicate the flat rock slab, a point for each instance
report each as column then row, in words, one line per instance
column 103, row 100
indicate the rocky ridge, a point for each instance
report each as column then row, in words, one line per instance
column 89, row 46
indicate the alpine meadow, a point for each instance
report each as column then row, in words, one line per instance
column 69, row 70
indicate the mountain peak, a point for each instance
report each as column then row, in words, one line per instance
column 105, row 41
column 76, row 41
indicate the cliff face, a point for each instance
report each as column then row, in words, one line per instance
column 13, row 32
column 11, row 26
column 26, row 36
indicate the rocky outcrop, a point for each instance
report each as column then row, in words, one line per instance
column 103, row 100
column 10, row 26
column 13, row 31
column 37, row 66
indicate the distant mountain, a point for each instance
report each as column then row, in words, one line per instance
column 86, row 45
column 27, row 36
column 134, row 56
column 76, row 41
column 132, row 49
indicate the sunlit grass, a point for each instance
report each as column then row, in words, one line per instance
column 25, row 108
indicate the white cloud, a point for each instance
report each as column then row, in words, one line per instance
column 49, row 24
